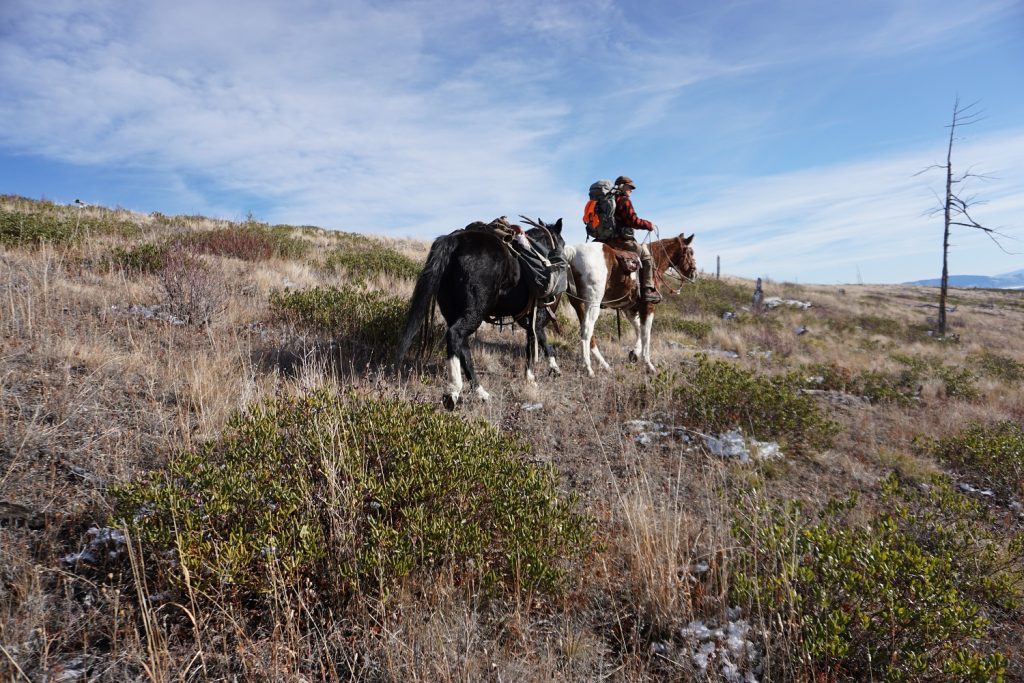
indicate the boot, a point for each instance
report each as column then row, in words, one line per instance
column 648, row 292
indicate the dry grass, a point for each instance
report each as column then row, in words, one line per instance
column 93, row 393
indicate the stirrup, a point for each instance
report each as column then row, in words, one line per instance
column 651, row 295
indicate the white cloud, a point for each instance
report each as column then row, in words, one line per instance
column 826, row 224
column 406, row 118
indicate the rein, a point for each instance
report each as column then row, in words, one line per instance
column 660, row 276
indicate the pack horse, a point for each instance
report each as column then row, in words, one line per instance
column 488, row 272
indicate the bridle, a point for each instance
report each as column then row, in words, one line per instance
column 672, row 263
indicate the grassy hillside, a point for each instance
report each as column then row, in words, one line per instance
column 208, row 470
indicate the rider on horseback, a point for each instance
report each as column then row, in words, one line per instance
column 626, row 222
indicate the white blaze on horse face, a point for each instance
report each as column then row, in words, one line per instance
column 454, row 377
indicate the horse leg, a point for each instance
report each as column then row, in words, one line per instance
column 451, row 396
column 589, row 343
column 530, row 324
column 464, row 328
column 549, row 352
column 647, row 321
column 636, row 352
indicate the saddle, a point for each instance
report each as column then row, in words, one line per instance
column 546, row 275
column 627, row 262
column 499, row 227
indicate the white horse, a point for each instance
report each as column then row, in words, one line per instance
column 607, row 278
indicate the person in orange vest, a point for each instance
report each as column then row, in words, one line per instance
column 626, row 223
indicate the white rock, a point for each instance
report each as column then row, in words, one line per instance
column 728, row 445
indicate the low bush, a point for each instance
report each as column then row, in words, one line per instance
column 994, row 451
column 196, row 293
column 344, row 494
column 958, row 382
column 710, row 296
column 871, row 324
column 143, row 258
column 876, row 385
column 999, row 367
column 35, row 223
column 247, row 241
column 902, row 595
column 717, row 396
column 698, row 329
column 372, row 260
column 369, row 317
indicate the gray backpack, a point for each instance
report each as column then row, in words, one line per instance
column 603, row 194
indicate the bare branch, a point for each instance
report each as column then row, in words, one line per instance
column 929, row 168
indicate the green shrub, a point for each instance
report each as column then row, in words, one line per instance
column 902, row 595
column 143, row 258
column 370, row 261
column 958, row 382
column 346, row 494
column 875, row 385
column 710, row 296
column 370, row 317
column 1000, row 367
column 698, row 329
column 717, row 396
column 876, row 324
column 995, row 451
column 871, row 324
column 35, row 223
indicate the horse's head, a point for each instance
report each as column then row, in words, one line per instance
column 686, row 264
column 547, row 234
column 677, row 252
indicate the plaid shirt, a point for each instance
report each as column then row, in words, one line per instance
column 626, row 219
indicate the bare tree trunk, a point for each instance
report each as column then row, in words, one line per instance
column 945, row 236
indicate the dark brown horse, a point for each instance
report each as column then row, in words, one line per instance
column 472, row 277
column 607, row 278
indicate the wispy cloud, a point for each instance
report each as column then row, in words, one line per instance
column 397, row 117
column 827, row 224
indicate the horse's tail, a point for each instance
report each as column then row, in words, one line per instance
column 426, row 290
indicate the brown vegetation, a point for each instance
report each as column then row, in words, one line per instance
column 116, row 359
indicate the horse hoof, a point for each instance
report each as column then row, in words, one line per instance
column 633, row 357
column 449, row 401
column 555, row 372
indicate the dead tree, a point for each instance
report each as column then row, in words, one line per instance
column 956, row 206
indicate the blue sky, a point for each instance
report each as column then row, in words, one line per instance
column 785, row 134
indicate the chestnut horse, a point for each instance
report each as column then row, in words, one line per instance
column 602, row 281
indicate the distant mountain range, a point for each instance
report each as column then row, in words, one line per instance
column 1014, row 280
